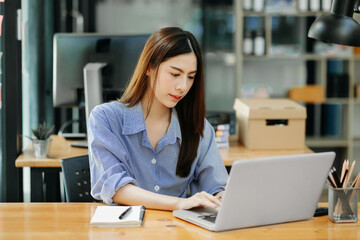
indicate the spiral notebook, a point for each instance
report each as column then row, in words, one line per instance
column 109, row 216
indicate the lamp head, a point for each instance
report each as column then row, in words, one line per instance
column 338, row 26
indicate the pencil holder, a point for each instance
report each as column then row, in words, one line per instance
column 343, row 204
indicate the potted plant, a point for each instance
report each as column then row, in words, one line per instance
column 42, row 141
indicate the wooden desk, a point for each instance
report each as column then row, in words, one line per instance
column 40, row 173
column 72, row 221
column 61, row 149
column 237, row 151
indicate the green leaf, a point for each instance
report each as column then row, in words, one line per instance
column 43, row 131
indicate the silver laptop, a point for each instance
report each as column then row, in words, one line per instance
column 267, row 191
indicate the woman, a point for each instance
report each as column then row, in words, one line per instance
column 154, row 144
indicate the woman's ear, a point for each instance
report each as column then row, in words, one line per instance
column 149, row 72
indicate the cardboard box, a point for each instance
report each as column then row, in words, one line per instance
column 307, row 94
column 270, row 123
column 357, row 91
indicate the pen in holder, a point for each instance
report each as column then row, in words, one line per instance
column 343, row 204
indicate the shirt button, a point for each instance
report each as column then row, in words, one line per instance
column 156, row 188
column 153, row 161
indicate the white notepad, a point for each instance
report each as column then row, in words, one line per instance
column 108, row 216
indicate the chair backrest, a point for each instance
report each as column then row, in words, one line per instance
column 76, row 172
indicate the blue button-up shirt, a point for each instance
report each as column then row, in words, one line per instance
column 121, row 153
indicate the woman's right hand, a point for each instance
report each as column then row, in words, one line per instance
column 201, row 199
column 133, row 195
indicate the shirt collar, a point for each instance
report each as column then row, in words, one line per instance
column 134, row 122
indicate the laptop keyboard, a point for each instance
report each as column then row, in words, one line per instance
column 210, row 217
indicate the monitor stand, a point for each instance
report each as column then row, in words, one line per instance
column 93, row 93
column 92, row 86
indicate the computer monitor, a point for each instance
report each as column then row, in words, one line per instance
column 118, row 55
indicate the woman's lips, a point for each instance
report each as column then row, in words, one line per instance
column 177, row 98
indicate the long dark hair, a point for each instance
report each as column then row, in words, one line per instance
column 162, row 45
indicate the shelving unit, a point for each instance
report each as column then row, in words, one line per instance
column 348, row 144
column 229, row 71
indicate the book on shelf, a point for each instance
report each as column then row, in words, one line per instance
column 221, row 118
column 324, row 120
column 118, row 216
column 222, row 133
column 337, row 86
column 331, row 115
column 337, row 79
column 313, row 120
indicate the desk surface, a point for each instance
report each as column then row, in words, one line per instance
column 61, row 148
column 238, row 151
column 71, row 221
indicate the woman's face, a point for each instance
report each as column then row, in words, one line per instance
column 174, row 79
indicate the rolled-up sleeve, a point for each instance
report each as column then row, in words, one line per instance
column 108, row 157
column 210, row 173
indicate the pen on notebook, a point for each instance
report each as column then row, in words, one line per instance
column 122, row 215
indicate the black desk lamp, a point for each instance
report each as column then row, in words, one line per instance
column 338, row 26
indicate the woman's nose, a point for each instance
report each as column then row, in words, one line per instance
column 182, row 83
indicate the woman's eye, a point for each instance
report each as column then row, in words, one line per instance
column 191, row 77
column 175, row 74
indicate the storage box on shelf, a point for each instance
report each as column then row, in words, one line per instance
column 270, row 123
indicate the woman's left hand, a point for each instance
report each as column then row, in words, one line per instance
column 201, row 199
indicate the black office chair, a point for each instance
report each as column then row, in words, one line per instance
column 76, row 172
